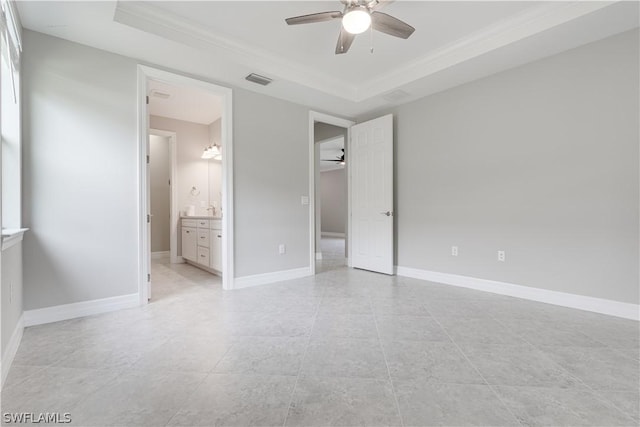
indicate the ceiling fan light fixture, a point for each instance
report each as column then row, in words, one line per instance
column 356, row 21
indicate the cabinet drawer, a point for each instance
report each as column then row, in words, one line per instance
column 203, row 256
column 203, row 238
column 189, row 230
column 203, row 223
column 216, row 224
column 189, row 223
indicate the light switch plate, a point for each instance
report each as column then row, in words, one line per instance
column 304, row 200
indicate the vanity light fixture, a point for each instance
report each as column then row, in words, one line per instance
column 211, row 152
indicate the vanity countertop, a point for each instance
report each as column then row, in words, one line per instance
column 200, row 217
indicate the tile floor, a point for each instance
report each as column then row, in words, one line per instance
column 343, row 348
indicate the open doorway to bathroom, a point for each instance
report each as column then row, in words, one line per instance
column 185, row 160
column 186, row 185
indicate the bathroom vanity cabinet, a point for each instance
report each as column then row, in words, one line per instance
column 202, row 242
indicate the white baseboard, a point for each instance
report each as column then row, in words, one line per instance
column 332, row 234
column 318, row 255
column 276, row 276
column 580, row 302
column 12, row 349
column 80, row 309
column 160, row 255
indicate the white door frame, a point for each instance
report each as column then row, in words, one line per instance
column 173, row 213
column 336, row 121
column 144, row 74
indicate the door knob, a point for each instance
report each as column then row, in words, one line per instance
column 387, row 213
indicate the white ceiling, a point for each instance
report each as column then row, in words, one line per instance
column 222, row 41
column 184, row 103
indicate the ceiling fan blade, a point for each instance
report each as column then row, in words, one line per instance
column 344, row 41
column 314, row 17
column 390, row 25
column 326, row 160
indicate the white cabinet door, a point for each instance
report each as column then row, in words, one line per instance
column 215, row 252
column 189, row 244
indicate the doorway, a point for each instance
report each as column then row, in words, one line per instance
column 331, row 197
column 187, row 202
column 329, row 165
column 370, row 242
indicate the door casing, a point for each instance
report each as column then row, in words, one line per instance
column 146, row 73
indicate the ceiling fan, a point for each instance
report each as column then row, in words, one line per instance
column 357, row 17
column 338, row 159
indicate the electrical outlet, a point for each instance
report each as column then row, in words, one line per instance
column 501, row 256
column 454, row 251
column 282, row 249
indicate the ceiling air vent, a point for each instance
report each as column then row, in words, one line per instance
column 257, row 78
column 395, row 95
column 161, row 95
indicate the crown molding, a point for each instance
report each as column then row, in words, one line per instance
column 508, row 31
column 149, row 18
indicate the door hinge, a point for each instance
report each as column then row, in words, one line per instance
column 147, row 99
column 148, row 218
column 147, row 159
column 148, row 277
column 169, row 183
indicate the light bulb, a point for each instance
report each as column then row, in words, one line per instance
column 356, row 21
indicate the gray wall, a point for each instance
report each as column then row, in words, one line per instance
column 80, row 156
column 271, row 158
column 160, row 175
column 80, row 176
column 540, row 161
column 333, row 194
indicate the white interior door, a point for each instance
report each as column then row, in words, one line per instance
column 371, row 155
